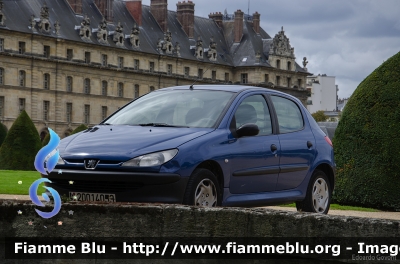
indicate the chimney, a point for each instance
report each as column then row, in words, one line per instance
column 185, row 15
column 135, row 9
column 76, row 5
column 256, row 22
column 106, row 8
column 238, row 27
column 158, row 9
column 217, row 17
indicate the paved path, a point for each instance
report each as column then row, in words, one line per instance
column 380, row 214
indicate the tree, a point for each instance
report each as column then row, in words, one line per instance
column 3, row 133
column 21, row 145
column 80, row 128
column 367, row 142
column 320, row 116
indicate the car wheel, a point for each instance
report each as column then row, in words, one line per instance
column 202, row 189
column 319, row 194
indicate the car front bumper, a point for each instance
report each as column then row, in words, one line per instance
column 127, row 186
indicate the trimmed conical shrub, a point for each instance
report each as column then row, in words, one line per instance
column 3, row 133
column 80, row 128
column 21, row 145
column 367, row 141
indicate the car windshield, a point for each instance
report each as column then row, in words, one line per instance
column 170, row 108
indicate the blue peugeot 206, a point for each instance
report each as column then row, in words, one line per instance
column 202, row 145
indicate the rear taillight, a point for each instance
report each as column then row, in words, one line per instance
column 329, row 141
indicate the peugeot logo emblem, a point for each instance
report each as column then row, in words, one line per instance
column 91, row 164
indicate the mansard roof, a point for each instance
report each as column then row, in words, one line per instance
column 253, row 50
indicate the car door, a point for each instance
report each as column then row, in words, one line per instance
column 297, row 143
column 254, row 162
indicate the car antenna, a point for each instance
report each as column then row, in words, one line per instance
column 191, row 86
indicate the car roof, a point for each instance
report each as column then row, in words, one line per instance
column 227, row 88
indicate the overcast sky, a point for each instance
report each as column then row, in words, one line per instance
column 347, row 39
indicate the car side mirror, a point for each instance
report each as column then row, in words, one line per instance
column 247, row 130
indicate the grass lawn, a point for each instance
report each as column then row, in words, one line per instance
column 9, row 182
column 341, row 207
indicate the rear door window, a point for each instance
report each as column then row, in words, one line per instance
column 289, row 115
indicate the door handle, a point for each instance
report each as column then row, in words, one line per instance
column 309, row 144
column 273, row 148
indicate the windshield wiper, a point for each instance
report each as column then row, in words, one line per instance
column 159, row 125
column 105, row 124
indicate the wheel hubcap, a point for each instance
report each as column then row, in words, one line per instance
column 320, row 195
column 206, row 194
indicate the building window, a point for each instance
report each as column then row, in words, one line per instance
column 21, row 78
column 21, row 104
column 46, row 51
column 69, row 83
column 214, row 75
column 1, row 106
column 103, row 112
column 46, row 81
column 86, row 89
column 200, row 73
column 169, row 70
column 121, row 62
column 136, row 64
column 299, row 83
column 1, row 44
column 21, row 47
column 104, row 86
column 152, row 88
column 104, row 60
column 278, row 64
column 226, row 76
column 278, row 80
column 151, row 66
column 136, row 90
column 120, row 89
column 1, row 75
column 86, row 114
column 46, row 107
column 69, row 113
column 289, row 66
column 289, row 82
column 70, row 54
column 243, row 78
column 87, row 57
column 266, row 78
column 187, row 71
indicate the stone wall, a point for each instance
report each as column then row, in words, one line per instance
column 161, row 220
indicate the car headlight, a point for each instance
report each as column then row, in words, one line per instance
column 60, row 161
column 152, row 159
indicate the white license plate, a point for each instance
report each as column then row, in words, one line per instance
column 92, row 197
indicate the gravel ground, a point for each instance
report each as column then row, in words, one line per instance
column 380, row 214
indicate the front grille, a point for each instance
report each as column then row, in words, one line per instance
column 81, row 161
column 97, row 186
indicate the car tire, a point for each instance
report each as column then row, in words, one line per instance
column 202, row 189
column 319, row 194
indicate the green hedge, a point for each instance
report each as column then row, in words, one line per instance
column 20, row 146
column 367, row 141
column 3, row 133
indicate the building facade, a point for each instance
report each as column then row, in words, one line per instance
column 323, row 93
column 68, row 62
